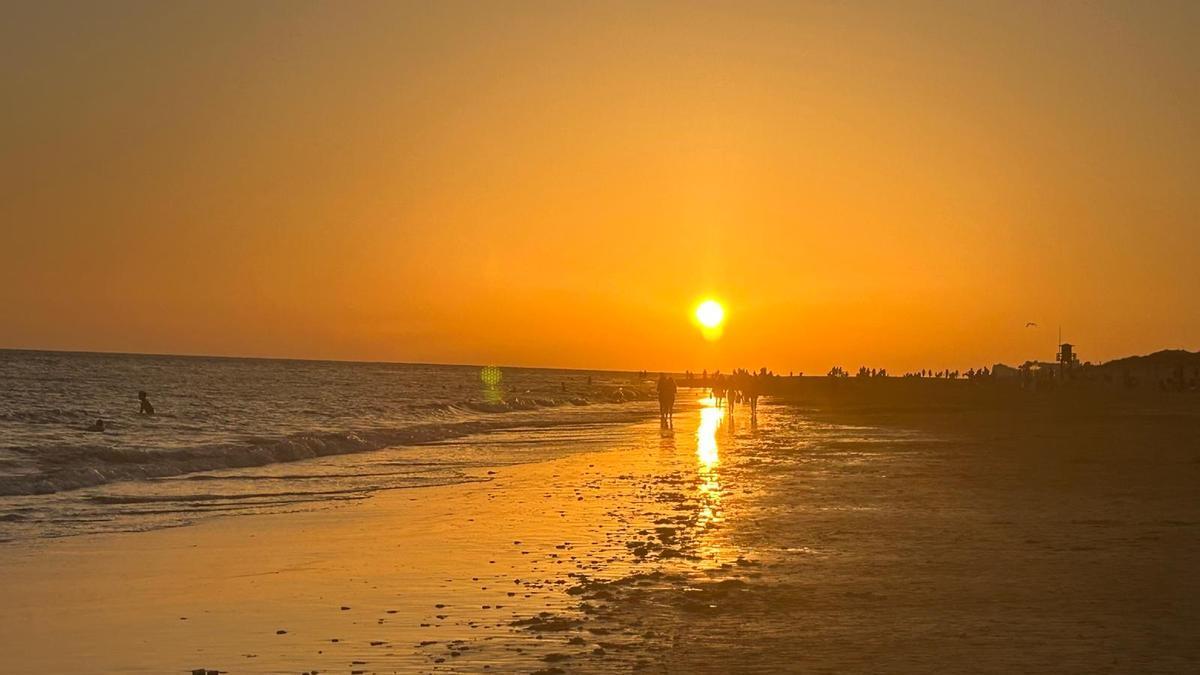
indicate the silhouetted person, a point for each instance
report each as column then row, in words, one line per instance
column 752, row 393
column 666, row 399
column 147, row 407
column 98, row 426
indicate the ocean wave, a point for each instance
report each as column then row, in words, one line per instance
column 417, row 470
column 51, row 416
column 77, row 467
column 212, row 497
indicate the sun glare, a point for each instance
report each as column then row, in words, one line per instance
column 710, row 314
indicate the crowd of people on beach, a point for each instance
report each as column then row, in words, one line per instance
column 740, row 386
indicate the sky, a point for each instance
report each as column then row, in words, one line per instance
column 900, row 185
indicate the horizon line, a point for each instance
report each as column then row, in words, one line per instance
column 472, row 365
column 242, row 357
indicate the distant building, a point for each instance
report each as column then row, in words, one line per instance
column 1043, row 370
column 1003, row 372
column 1068, row 361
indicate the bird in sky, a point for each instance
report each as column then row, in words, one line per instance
column 1030, row 324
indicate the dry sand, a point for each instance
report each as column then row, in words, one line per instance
column 892, row 542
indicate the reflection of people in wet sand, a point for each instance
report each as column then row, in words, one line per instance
column 666, row 437
column 666, row 400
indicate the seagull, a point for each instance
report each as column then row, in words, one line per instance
column 1030, row 324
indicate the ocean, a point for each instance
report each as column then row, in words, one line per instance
column 240, row 435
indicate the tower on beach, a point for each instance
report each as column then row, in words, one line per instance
column 1067, row 359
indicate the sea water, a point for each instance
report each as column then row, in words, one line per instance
column 233, row 435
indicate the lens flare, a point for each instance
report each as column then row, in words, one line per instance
column 491, row 376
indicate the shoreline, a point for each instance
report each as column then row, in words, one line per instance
column 209, row 594
column 125, row 492
column 808, row 541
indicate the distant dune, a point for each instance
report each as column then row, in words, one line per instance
column 1167, row 358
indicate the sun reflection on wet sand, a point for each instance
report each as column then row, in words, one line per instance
column 709, row 458
column 706, row 437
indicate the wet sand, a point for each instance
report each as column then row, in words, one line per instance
column 894, row 542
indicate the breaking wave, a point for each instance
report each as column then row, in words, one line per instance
column 76, row 467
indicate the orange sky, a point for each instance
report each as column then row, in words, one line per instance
column 894, row 184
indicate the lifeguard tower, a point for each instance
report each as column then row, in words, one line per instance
column 1067, row 359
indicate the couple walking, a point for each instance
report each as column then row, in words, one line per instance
column 666, row 400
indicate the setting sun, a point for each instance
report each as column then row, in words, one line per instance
column 710, row 314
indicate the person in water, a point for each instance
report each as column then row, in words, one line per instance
column 98, row 426
column 666, row 400
column 753, row 391
column 147, row 407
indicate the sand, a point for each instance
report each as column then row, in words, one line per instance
column 881, row 542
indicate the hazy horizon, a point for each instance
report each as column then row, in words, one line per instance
column 696, row 370
column 553, row 185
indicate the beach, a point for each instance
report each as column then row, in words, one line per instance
column 600, row 338
column 811, row 541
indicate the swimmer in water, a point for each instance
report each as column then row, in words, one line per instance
column 147, row 408
column 98, row 426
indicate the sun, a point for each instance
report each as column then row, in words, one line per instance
column 710, row 314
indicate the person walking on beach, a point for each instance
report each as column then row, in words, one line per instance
column 752, row 392
column 666, row 399
column 147, row 408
